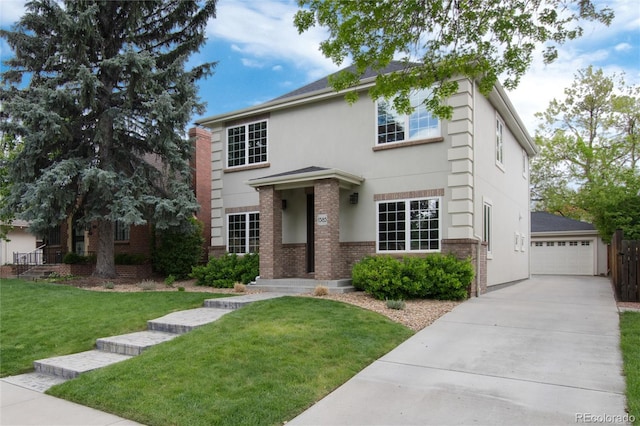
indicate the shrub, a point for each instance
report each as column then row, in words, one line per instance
column 225, row 271
column 178, row 250
column 435, row 276
column 169, row 281
column 72, row 258
column 321, row 290
column 130, row 259
column 147, row 285
column 239, row 288
column 396, row 304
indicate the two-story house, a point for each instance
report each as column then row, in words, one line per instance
column 314, row 183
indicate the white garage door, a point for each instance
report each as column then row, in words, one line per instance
column 562, row 257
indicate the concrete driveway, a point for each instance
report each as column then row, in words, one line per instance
column 542, row 352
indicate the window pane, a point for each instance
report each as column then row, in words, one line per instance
column 390, row 124
column 236, row 146
column 257, row 142
column 237, row 233
column 391, row 219
column 422, row 124
column 424, row 214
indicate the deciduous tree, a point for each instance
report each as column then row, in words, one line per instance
column 588, row 165
column 480, row 39
column 99, row 96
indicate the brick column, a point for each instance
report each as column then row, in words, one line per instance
column 270, row 233
column 465, row 248
column 327, row 229
column 201, row 166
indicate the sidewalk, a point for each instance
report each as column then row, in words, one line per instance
column 541, row 352
column 20, row 406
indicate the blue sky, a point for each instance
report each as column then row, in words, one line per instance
column 261, row 56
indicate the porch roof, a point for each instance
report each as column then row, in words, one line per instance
column 305, row 177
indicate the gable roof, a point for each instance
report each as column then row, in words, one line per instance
column 548, row 222
column 323, row 83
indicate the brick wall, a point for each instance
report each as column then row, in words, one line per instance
column 327, row 244
column 466, row 248
column 294, row 260
column 351, row 253
column 270, row 233
column 201, row 166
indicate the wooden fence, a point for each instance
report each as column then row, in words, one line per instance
column 625, row 268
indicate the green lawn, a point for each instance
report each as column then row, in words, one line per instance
column 262, row 364
column 43, row 320
column 630, row 344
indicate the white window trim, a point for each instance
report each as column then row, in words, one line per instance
column 246, row 238
column 487, row 234
column 408, row 224
column 499, row 143
column 406, row 126
column 246, row 151
column 525, row 163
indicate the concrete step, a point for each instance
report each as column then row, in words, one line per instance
column 71, row 366
column 133, row 343
column 238, row 302
column 184, row 321
column 37, row 272
column 301, row 285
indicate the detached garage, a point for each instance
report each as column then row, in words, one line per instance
column 563, row 246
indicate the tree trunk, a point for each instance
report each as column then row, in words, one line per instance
column 105, row 264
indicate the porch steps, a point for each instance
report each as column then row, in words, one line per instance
column 301, row 285
column 36, row 272
column 110, row 350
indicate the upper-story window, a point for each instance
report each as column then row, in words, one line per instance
column 499, row 141
column 247, row 144
column 396, row 127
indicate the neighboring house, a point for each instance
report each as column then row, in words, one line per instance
column 67, row 237
column 563, row 246
column 19, row 240
column 315, row 184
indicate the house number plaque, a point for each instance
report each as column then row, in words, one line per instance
column 322, row 220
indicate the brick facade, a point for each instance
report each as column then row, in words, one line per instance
column 327, row 229
column 201, row 166
column 271, row 262
column 467, row 248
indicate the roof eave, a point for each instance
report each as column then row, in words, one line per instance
column 347, row 180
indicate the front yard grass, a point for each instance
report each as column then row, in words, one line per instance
column 630, row 344
column 40, row 320
column 262, row 364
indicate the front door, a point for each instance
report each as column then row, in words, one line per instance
column 311, row 263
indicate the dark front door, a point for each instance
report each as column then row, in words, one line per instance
column 311, row 263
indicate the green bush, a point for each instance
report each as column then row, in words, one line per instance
column 72, row 258
column 130, row 259
column 225, row 271
column 435, row 276
column 178, row 250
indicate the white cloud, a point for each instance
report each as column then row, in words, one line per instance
column 623, row 47
column 11, row 11
column 264, row 31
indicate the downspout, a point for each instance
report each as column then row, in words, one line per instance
column 474, row 191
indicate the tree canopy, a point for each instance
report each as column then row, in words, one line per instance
column 480, row 39
column 99, row 99
column 588, row 167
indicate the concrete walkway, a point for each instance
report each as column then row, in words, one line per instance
column 541, row 352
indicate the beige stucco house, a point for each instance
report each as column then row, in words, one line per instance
column 315, row 183
column 18, row 240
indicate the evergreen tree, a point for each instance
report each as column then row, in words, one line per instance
column 99, row 98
